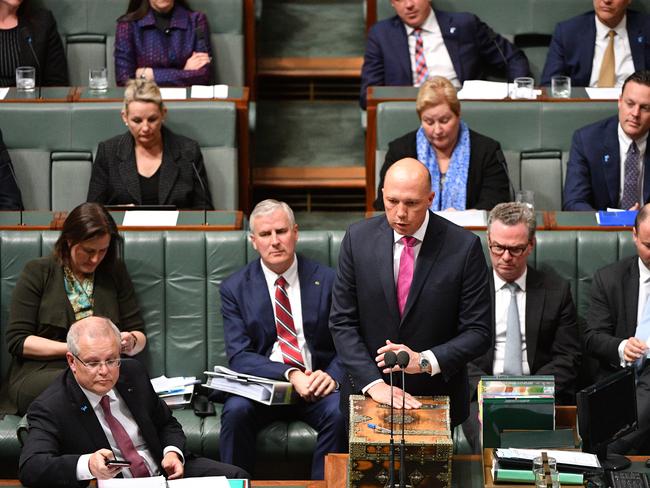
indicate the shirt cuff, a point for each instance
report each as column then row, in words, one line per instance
column 286, row 373
column 365, row 389
column 176, row 450
column 621, row 356
column 435, row 366
column 83, row 470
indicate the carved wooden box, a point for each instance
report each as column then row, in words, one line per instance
column 428, row 444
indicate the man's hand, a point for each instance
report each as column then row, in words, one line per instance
column 321, row 384
column 380, row 393
column 300, row 382
column 197, row 61
column 414, row 358
column 634, row 349
column 172, row 465
column 97, row 465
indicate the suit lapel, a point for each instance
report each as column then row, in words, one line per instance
column 535, row 297
column 631, row 297
column 168, row 168
column 585, row 49
column 128, row 168
column 401, row 43
column 611, row 161
column 384, row 260
column 431, row 246
column 87, row 419
column 490, row 352
column 261, row 305
column 310, row 296
column 637, row 41
column 450, row 38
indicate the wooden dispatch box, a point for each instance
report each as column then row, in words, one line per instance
column 427, row 437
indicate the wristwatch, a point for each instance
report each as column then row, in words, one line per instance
column 425, row 365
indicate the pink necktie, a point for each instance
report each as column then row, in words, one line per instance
column 421, row 72
column 285, row 327
column 138, row 467
column 405, row 276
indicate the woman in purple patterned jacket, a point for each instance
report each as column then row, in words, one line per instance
column 163, row 41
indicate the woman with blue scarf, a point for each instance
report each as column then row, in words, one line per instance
column 465, row 170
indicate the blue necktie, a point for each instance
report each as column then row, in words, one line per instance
column 512, row 363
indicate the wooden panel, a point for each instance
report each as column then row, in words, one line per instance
column 300, row 177
column 348, row 67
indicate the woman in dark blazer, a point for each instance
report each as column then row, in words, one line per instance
column 149, row 164
column 83, row 276
column 29, row 37
column 465, row 169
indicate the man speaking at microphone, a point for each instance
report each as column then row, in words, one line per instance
column 410, row 281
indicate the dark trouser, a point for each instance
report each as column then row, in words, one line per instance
column 242, row 418
column 199, row 466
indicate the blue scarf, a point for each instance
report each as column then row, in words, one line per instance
column 454, row 191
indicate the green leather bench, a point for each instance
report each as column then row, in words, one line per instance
column 535, row 138
column 87, row 28
column 52, row 147
column 528, row 23
column 177, row 275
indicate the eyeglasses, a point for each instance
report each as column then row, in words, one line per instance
column 515, row 251
column 94, row 365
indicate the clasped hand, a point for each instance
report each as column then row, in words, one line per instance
column 312, row 385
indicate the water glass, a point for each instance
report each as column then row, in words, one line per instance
column 524, row 88
column 97, row 79
column 25, row 78
column 561, row 86
column 540, row 475
column 527, row 197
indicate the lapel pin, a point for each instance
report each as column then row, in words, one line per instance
column 317, row 283
column 639, row 39
column 606, row 158
column 84, row 408
column 452, row 30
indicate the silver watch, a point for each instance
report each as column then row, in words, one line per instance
column 425, row 365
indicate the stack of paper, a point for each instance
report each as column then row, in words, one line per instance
column 209, row 91
column 176, row 392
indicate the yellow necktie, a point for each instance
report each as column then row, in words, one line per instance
column 606, row 77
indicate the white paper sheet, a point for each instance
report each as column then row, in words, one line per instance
column 162, row 384
column 173, row 93
column 160, row 482
column 202, row 91
column 603, row 93
column 574, row 458
column 483, row 90
column 3, row 93
column 150, row 218
column 220, row 91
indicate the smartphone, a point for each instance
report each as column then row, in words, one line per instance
column 122, row 463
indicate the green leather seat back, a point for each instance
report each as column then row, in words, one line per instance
column 70, row 178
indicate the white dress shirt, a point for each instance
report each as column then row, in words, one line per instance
column 623, row 62
column 502, row 299
column 624, row 142
column 644, row 293
column 293, row 290
column 122, row 414
column 435, row 51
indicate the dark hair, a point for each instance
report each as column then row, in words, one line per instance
column 87, row 221
column 642, row 77
column 139, row 8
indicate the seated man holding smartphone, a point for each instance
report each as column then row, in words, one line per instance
column 101, row 418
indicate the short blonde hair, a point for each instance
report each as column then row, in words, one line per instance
column 142, row 91
column 434, row 91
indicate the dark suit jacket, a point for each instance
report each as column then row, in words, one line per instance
column 593, row 173
column 470, row 42
column 571, row 52
column 40, row 306
column 551, row 334
column 63, row 426
column 249, row 324
column 10, row 198
column 38, row 28
column 447, row 310
column 612, row 313
column 114, row 179
column 487, row 181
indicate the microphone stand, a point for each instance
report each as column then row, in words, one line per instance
column 494, row 39
column 402, row 362
column 502, row 161
column 390, row 359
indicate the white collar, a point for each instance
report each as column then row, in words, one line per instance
column 418, row 234
column 291, row 274
column 429, row 25
column 602, row 31
column 500, row 283
column 644, row 272
column 94, row 398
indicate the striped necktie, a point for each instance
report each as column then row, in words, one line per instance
column 421, row 72
column 284, row 326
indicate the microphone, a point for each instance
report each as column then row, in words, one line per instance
column 502, row 161
column 24, row 31
column 206, row 203
column 493, row 37
column 402, row 362
column 390, row 360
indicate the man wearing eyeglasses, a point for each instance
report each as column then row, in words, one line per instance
column 101, row 409
column 534, row 328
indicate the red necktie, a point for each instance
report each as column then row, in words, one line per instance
column 405, row 276
column 421, row 71
column 138, row 467
column 285, row 328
